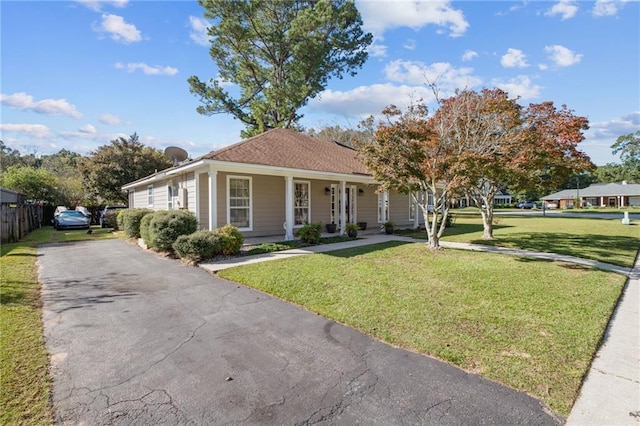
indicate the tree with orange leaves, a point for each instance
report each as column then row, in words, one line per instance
column 408, row 155
column 475, row 144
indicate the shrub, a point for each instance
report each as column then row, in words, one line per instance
column 145, row 229
column 310, row 233
column 231, row 240
column 167, row 225
column 111, row 219
column 197, row 246
column 129, row 221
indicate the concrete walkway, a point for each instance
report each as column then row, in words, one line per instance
column 610, row 394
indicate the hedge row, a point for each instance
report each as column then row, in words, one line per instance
column 176, row 231
column 203, row 245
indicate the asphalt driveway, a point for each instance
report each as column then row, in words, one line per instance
column 135, row 338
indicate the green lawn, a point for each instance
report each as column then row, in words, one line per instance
column 25, row 385
column 533, row 325
column 605, row 240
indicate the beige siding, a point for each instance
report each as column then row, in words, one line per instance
column 203, row 195
column 140, row 198
column 399, row 210
column 368, row 205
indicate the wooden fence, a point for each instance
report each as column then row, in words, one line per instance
column 18, row 219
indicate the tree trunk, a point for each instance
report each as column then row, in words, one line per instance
column 487, row 223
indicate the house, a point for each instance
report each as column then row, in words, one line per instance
column 273, row 183
column 598, row 195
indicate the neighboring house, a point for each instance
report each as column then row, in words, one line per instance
column 273, row 183
column 502, row 197
column 598, row 195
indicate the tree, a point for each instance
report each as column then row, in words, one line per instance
column 552, row 136
column 8, row 157
column 344, row 136
column 110, row 167
column 36, row 183
column 629, row 148
column 408, row 155
column 485, row 127
column 279, row 54
column 610, row 172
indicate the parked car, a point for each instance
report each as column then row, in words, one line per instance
column 71, row 219
column 526, row 205
column 58, row 210
column 104, row 221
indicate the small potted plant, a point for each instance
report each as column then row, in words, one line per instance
column 388, row 227
column 352, row 230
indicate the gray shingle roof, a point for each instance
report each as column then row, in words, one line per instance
column 598, row 190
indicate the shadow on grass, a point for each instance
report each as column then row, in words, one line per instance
column 609, row 249
column 357, row 251
column 17, row 293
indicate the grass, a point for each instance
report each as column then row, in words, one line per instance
column 25, row 384
column 288, row 245
column 531, row 324
column 605, row 240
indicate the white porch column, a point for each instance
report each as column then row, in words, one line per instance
column 213, row 199
column 601, row 201
column 197, row 203
column 622, row 201
column 343, row 207
column 288, row 209
column 416, row 213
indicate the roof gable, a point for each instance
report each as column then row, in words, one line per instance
column 290, row 149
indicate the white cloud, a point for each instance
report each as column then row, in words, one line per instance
column 514, row 58
column 607, row 7
column 567, row 9
column 561, row 56
column 410, row 44
column 25, row 102
column 520, row 86
column 615, row 127
column 377, row 50
column 198, row 31
column 147, row 69
column 469, row 55
column 110, row 119
column 34, row 130
column 444, row 75
column 88, row 129
column 118, row 29
column 368, row 100
column 96, row 5
column 379, row 16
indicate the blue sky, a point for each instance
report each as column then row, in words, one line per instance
column 77, row 74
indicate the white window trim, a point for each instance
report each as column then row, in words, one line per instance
column 170, row 197
column 250, row 179
column 294, row 202
column 150, row 196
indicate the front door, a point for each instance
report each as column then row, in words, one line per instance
column 350, row 203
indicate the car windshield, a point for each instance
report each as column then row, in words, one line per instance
column 71, row 213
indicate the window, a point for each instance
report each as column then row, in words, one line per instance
column 170, row 195
column 301, row 203
column 239, row 202
column 150, row 195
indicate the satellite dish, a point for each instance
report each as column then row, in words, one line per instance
column 175, row 154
